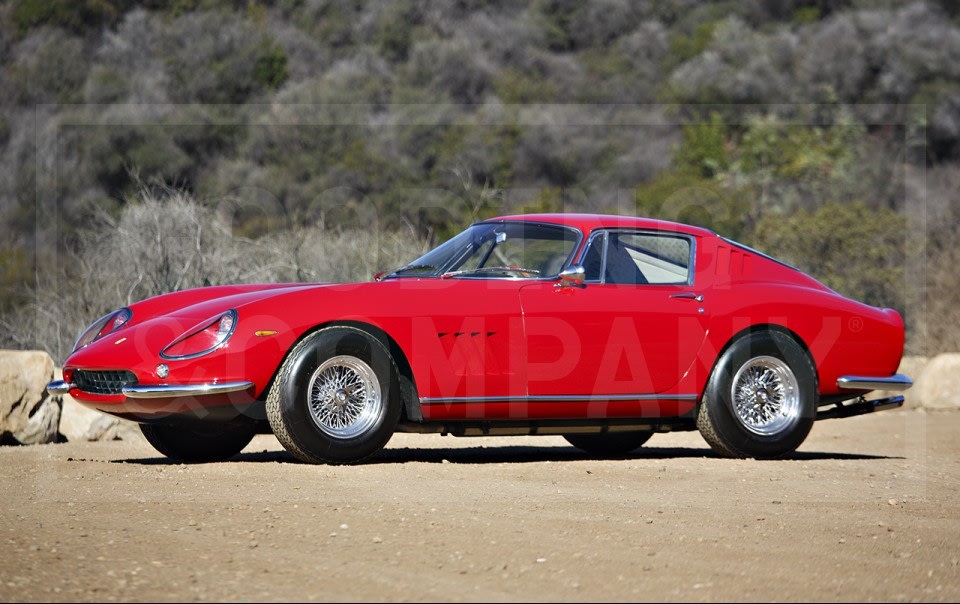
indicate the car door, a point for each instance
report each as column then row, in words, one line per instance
column 465, row 346
column 634, row 328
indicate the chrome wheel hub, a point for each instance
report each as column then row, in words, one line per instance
column 344, row 397
column 766, row 396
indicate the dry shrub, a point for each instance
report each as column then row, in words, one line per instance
column 166, row 241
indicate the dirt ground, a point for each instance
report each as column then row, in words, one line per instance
column 868, row 509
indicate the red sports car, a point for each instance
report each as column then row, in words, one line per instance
column 603, row 329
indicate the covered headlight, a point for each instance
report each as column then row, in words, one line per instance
column 204, row 338
column 102, row 326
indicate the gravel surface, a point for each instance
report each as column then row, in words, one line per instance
column 868, row 509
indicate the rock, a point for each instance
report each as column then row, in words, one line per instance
column 28, row 415
column 127, row 430
column 912, row 367
column 42, row 427
column 939, row 384
column 79, row 423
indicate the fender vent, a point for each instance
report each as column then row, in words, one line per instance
column 103, row 382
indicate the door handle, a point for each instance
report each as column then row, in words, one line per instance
column 688, row 296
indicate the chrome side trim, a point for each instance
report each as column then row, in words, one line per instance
column 174, row 390
column 59, row 387
column 897, row 383
column 559, row 398
column 596, row 234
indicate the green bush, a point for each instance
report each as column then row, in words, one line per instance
column 16, row 273
column 798, row 151
column 547, row 200
column 396, row 30
column 683, row 47
column 106, row 85
column 556, row 17
column 53, row 73
column 704, row 147
column 118, row 153
column 219, row 58
column 806, row 15
column 856, row 250
column 515, row 86
column 685, row 195
column 332, row 22
column 76, row 15
column 270, row 66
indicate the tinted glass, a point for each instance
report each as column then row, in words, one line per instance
column 593, row 259
column 514, row 249
column 637, row 259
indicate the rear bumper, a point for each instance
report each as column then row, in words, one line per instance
column 894, row 383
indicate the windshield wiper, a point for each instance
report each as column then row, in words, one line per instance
column 412, row 267
column 491, row 269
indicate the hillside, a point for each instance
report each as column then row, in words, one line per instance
column 826, row 133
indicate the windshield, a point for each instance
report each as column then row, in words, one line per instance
column 498, row 249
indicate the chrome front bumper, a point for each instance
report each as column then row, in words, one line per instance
column 162, row 390
column 895, row 383
column 59, row 387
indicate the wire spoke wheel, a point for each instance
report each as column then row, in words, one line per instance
column 344, row 397
column 766, row 396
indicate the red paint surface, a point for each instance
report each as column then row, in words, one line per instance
column 500, row 337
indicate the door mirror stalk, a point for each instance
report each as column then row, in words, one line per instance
column 573, row 276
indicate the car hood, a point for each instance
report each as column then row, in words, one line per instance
column 157, row 321
column 204, row 302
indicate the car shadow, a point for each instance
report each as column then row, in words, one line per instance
column 520, row 454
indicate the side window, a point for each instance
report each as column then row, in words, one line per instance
column 642, row 258
column 593, row 259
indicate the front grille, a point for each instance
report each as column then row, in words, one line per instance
column 103, row 382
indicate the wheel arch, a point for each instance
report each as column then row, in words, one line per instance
column 759, row 328
column 408, row 387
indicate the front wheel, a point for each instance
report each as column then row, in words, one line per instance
column 200, row 442
column 761, row 400
column 613, row 443
column 337, row 397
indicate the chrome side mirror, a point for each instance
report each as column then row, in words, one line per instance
column 572, row 277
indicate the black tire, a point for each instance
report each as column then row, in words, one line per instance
column 611, row 443
column 732, row 436
column 200, row 441
column 289, row 413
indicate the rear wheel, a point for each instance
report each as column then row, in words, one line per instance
column 337, row 397
column 200, row 442
column 611, row 443
column 761, row 399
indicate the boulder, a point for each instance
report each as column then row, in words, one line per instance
column 79, row 423
column 912, row 367
column 939, row 384
column 28, row 415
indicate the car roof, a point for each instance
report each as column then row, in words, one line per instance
column 589, row 222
